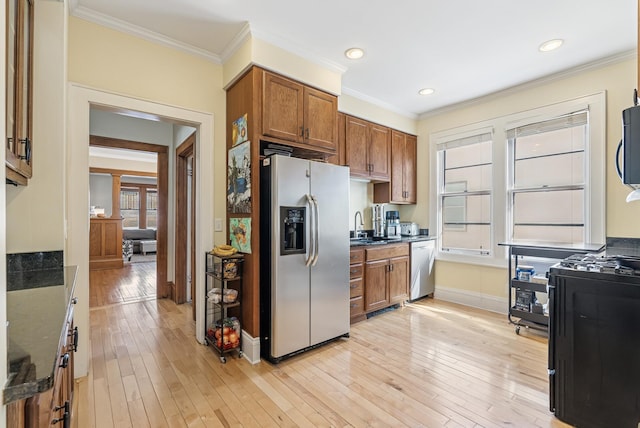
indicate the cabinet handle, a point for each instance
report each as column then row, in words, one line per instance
column 74, row 344
column 65, row 361
column 302, row 131
column 27, row 149
column 353, row 286
column 307, row 133
column 10, row 143
column 353, row 305
column 65, row 419
column 74, row 301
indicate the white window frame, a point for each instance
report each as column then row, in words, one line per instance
column 595, row 172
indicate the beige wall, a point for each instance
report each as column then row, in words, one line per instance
column 374, row 113
column 35, row 214
column 115, row 62
column 258, row 52
column 618, row 79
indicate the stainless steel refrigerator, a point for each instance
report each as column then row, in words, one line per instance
column 304, row 255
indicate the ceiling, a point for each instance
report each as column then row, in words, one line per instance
column 462, row 49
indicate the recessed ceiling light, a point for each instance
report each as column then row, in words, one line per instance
column 550, row 45
column 426, row 91
column 354, row 53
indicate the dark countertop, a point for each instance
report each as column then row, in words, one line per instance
column 403, row 240
column 38, row 302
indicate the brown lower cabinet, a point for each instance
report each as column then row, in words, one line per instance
column 356, row 284
column 105, row 243
column 379, row 278
column 51, row 408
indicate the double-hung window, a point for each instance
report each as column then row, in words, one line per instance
column 464, row 194
column 547, row 179
column 130, row 207
column 537, row 175
column 139, row 206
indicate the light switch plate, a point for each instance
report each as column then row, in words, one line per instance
column 218, row 225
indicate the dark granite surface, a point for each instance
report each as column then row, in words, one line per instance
column 623, row 246
column 39, row 293
column 404, row 239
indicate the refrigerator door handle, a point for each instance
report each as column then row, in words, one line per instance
column 312, row 246
column 316, row 250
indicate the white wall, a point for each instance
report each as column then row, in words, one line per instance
column 105, row 123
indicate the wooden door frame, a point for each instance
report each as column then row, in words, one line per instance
column 183, row 152
column 163, row 288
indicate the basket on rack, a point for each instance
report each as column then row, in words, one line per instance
column 228, row 268
column 226, row 334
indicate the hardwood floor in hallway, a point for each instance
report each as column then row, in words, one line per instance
column 133, row 282
column 430, row 364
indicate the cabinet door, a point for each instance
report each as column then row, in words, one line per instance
column 282, row 110
column 339, row 157
column 19, row 100
column 376, row 292
column 379, row 152
column 410, row 159
column 398, row 155
column 356, row 143
column 320, row 120
column 398, row 279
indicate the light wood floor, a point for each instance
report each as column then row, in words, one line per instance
column 428, row 364
column 132, row 283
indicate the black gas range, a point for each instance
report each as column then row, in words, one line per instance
column 607, row 264
column 594, row 345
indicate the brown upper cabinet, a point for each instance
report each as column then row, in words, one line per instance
column 297, row 113
column 368, row 149
column 402, row 188
column 19, row 95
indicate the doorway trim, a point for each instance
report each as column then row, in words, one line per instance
column 183, row 152
column 163, row 288
column 79, row 102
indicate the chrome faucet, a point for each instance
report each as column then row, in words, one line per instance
column 357, row 226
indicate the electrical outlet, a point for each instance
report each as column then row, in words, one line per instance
column 218, row 225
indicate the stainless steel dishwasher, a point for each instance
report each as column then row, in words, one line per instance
column 422, row 275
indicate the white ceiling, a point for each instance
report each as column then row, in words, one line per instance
column 462, row 49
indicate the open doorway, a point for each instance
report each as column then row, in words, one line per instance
column 81, row 100
column 138, row 239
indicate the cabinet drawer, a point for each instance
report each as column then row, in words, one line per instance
column 357, row 306
column 356, row 256
column 355, row 287
column 355, row 271
column 387, row 251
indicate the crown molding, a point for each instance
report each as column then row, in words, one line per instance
column 593, row 65
column 134, row 30
column 298, row 50
column 375, row 101
column 238, row 40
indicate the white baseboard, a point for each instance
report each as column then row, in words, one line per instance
column 250, row 348
column 472, row 298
